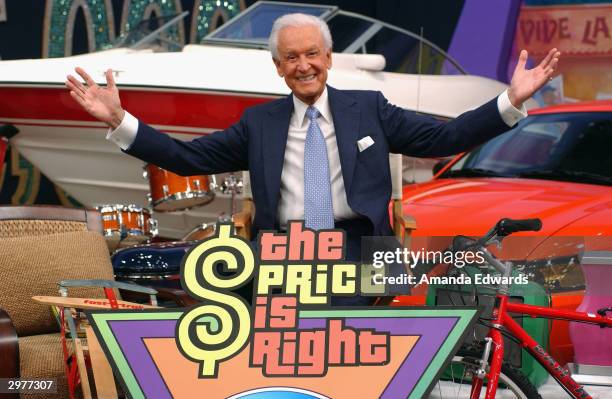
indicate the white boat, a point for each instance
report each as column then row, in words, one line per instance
column 205, row 87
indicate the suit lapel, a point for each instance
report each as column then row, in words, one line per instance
column 276, row 129
column 346, row 117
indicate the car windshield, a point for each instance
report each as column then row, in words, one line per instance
column 566, row 146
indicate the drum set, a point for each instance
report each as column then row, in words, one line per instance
column 129, row 229
column 128, row 225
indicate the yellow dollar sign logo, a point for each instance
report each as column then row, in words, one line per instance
column 219, row 328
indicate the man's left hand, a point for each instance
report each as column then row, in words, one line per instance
column 525, row 82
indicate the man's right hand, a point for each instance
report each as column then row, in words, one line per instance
column 102, row 103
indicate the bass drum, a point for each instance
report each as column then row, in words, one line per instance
column 156, row 264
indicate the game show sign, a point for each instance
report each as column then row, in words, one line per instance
column 290, row 343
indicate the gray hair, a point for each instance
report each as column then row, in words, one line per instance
column 294, row 20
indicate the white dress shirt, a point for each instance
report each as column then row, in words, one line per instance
column 291, row 202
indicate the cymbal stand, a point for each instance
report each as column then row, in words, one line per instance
column 233, row 186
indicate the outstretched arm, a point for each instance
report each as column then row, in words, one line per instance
column 418, row 135
column 525, row 82
column 102, row 103
column 224, row 151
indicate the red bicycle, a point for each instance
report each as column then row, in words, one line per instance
column 484, row 364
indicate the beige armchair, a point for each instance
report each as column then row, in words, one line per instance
column 40, row 246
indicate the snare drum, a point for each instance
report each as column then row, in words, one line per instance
column 127, row 225
column 171, row 192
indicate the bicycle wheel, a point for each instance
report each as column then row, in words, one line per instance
column 456, row 382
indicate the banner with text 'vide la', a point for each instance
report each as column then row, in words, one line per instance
column 290, row 343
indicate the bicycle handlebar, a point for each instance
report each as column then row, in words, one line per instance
column 503, row 228
column 507, row 226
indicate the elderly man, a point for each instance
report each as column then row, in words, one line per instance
column 319, row 154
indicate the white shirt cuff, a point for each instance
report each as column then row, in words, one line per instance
column 125, row 134
column 508, row 112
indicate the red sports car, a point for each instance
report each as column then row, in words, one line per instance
column 555, row 165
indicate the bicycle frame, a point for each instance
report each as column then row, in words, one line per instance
column 502, row 319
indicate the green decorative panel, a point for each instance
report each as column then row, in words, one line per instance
column 206, row 12
column 59, row 25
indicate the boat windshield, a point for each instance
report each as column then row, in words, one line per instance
column 252, row 27
column 404, row 51
column 157, row 33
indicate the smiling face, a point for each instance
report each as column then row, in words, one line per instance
column 303, row 61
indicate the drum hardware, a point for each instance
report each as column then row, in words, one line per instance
column 213, row 183
column 154, row 226
column 141, row 219
column 233, row 186
column 242, row 220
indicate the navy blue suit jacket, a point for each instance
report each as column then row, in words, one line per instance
column 257, row 143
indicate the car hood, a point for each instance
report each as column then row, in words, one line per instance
column 470, row 206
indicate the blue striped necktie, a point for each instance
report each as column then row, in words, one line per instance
column 318, row 208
